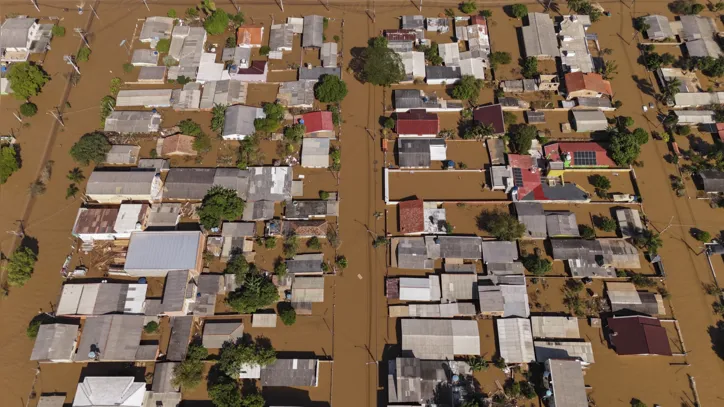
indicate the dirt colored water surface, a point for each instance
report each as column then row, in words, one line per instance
column 352, row 326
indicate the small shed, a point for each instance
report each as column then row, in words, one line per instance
column 535, row 117
column 264, row 320
column 216, row 333
column 152, row 75
column 122, row 155
column 328, row 54
column 629, row 222
column 177, row 145
column 496, row 151
column 312, row 37
column 144, row 57
column 315, row 152
column 531, row 214
column 562, row 224
column 555, row 327
column 589, row 121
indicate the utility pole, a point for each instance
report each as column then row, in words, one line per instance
column 69, row 60
column 35, row 4
column 58, row 117
column 237, row 7
column 17, row 117
column 144, row 2
column 371, row 16
column 80, row 32
column 124, row 44
column 420, row 6
column 94, row 12
column 281, row 5
column 325, row 3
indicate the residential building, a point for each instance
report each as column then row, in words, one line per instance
column 312, row 36
column 209, row 286
column 587, row 121
column 237, row 237
column 450, row 53
column 281, row 38
column 417, row 122
column 179, row 293
column 239, row 56
column 700, row 36
column 305, row 292
column 188, row 97
column 163, row 392
column 420, row 152
column 317, row 124
column 297, row 94
column 555, row 327
column 438, row 24
column 96, row 391
column 291, row 373
column 416, row 22
column 637, row 335
column 565, row 382
column 694, row 116
column 688, row 81
column 255, row 73
column 574, row 53
column 557, row 349
column 496, row 251
column 114, row 187
column 51, row 400
column 156, row 28
column 178, row 343
column 562, row 224
column 177, row 145
column 439, row 75
column 120, row 154
column 144, row 57
column 440, row 339
column 109, row 223
column 697, row 99
column 626, row 298
column 503, row 294
column 21, row 36
column 55, row 343
column 591, row 85
column 250, row 36
column 406, row 99
column 532, row 216
column 154, row 254
column 415, row 288
column 659, row 28
column 453, row 248
column 472, row 67
column 515, row 340
column 496, row 150
column 305, row 264
column 239, row 121
column 225, row 92
column 539, row 37
column 187, row 47
column 164, row 216
column 315, row 152
column 411, row 380
column 264, row 320
column 596, row 258
column 328, row 54
column 417, row 217
column 305, row 228
column 188, row 183
column 529, row 186
column 268, row 184
column 712, row 180
column 579, row 154
column 130, row 122
column 218, row 332
column 519, row 86
column 114, row 338
column 629, row 222
column 455, row 287
column 315, row 73
column 414, row 62
column 547, row 83
column 501, row 178
column 411, row 253
column 490, row 115
column 101, row 298
column 311, row 209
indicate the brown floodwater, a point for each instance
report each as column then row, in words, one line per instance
column 356, row 310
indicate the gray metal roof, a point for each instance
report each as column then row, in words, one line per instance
column 163, row 377
column 281, row 36
column 129, row 122
column 238, row 229
column 264, row 320
column 555, row 327
column 713, row 180
column 178, row 344
column 237, row 55
column 239, row 120
column 328, row 54
column 557, row 349
column 308, row 290
column 411, row 380
column 51, row 401
column 454, row 247
column 416, row 22
column 315, row 73
column 112, row 337
column 258, row 210
column 155, row 253
column 233, row 178
column 291, row 373
column 312, row 208
column 412, row 253
column 458, row 286
column 539, row 37
column 157, row 164
column 103, row 182
column 569, row 389
column 143, row 56
column 532, row 216
column 216, row 333
column 589, row 120
column 152, row 74
column 506, row 269
column 515, row 340
column 188, row 183
column 440, row 338
column 416, row 152
column 562, row 224
column 54, row 342
column 210, row 283
column 14, row 32
column 122, row 154
column 305, row 264
column 270, row 184
column 313, row 31
column 499, row 251
column 296, row 93
column 174, row 290
column 224, row 92
column 535, row 116
column 155, row 28
column 315, row 152
column 443, row 72
column 165, row 215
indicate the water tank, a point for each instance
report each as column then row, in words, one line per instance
column 234, row 67
column 155, row 53
column 142, row 280
column 301, row 121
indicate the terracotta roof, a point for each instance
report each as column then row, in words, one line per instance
column 318, row 121
column 401, row 35
column 524, row 178
column 96, row 220
column 178, row 144
column 306, row 227
column 720, row 131
column 576, row 81
column 417, row 121
column 478, row 20
column 638, row 336
column 556, row 151
column 249, row 35
column 256, row 68
column 412, row 216
column 491, row 114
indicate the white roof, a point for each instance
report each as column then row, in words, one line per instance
column 622, row 293
column 440, row 338
column 458, row 286
column 420, row 288
column 209, row 70
column 474, row 67
column 144, row 97
column 515, row 340
column 127, row 218
column 249, row 371
column 155, row 253
column 555, row 327
column 83, row 299
column 450, row 53
column 414, row 62
column 109, row 391
column 315, row 152
column 573, row 47
column 569, row 389
column 695, row 116
column 695, row 99
column 264, row 320
column 545, row 350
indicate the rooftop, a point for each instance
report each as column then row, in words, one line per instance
column 636, row 335
column 532, row 216
column 417, row 122
column 291, row 373
column 555, row 327
column 110, row 338
column 562, row 224
column 411, row 216
column 491, row 115
column 109, row 391
column 569, row 389
column 515, row 340
column 216, row 333
column 155, row 253
column 440, row 338
column 539, row 37
column 55, row 342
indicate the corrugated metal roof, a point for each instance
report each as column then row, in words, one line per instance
column 569, row 389
column 515, row 340
column 313, row 28
column 174, row 290
column 178, row 344
column 54, row 342
column 111, row 337
column 163, row 377
column 458, row 286
column 120, row 183
column 555, row 327
column 499, row 251
column 162, row 251
column 291, row 373
column 216, row 333
column 264, row 320
column 130, row 121
column 440, row 338
column 315, row 152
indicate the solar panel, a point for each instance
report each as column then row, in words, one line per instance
column 517, row 177
column 584, row 158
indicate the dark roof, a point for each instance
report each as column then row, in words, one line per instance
column 163, row 378
column 492, row 115
column 417, row 121
column 290, row 373
column 638, row 336
column 188, row 183
column 178, row 344
column 443, row 72
column 305, row 263
column 713, row 180
column 258, row 210
column 256, row 68
column 415, row 152
column 532, row 216
column 412, row 216
column 95, row 220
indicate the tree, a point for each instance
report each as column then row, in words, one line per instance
column 218, row 114
column 702, row 236
column 256, row 293
column 151, row 327
column 290, row 246
column 28, row 109
column 499, row 363
column 478, row 364
column 237, row 19
column 670, row 90
column 217, row 22
column 389, row 123
column 382, row 66
column 641, row 135
column 314, row 243
column 92, row 147
column 163, row 45
column 330, row 89
column 600, row 182
column 499, row 58
column 171, row 13
column 468, row 7
column 468, row 88
column 637, row 403
column 8, row 163
column 264, row 50
column 33, row 328
column 650, row 241
column 83, row 54
column 189, row 373
column 529, row 67
column 586, row 232
column 609, row 69
column 502, row 225
column 288, row 315
column 527, row 390
column 519, row 10
column 624, row 149
column 71, row 191
column 486, row 13
column 58, row 31
column 537, row 265
column 108, row 102
column 341, row 262
column 685, row 7
column 274, row 117
column 26, row 79
column 233, row 355
column 432, row 53
column 640, row 24
column 20, row 266
column 253, row 400
column 295, row 133
column 323, row 195
column 521, row 138
column 608, row 224
column 225, row 393
column 220, row 204
column 238, row 266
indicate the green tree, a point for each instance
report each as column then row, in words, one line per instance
column 151, row 327
column 115, row 86
column 641, row 25
column 624, row 149
column 83, row 54
column 291, row 246
column 641, row 135
column 189, row 127
column 28, row 109
column 237, row 19
column 650, row 241
column 238, row 266
column 220, row 204
column 288, row 315
column 600, row 182
column 529, row 67
column 477, row 364
column 341, row 262
column 509, row 118
column 486, row 13
column 264, row 50
column 202, row 144
column 499, row 58
column 703, row 236
column 587, row 232
column 217, row 22
column 685, row 7
column 225, row 392
column 233, row 355
column 91, row 147
column 71, row 191
column 468, row 88
column 189, row 373
column 521, row 138
column 128, row 67
column 20, row 266
column 502, row 225
column 218, row 114
column 389, row 123
column 608, row 224
column 609, row 69
column 468, row 7
column 274, row 117
column 26, row 79
column 256, row 293
column 280, row 268
column 432, row 53
column 295, row 133
column 478, row 131
column 108, row 102
column 8, row 163
column 33, row 328
column 314, row 243
column 163, row 45
column 382, row 66
column 171, row 13
column 537, row 265
column 637, row 403
column 330, row 89
column 58, row 31
column 519, row 10
column 253, row 400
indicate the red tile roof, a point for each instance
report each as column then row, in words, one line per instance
column 250, row 35
column 479, row 20
column 720, row 130
column 638, row 336
column 529, row 175
column 576, row 81
column 556, row 151
column 412, row 216
column 178, row 144
column 401, row 35
column 491, row 114
column 318, row 121
column 417, row 121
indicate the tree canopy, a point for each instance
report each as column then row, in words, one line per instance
column 217, row 22
column 218, row 116
column 225, row 393
column 468, row 7
column 295, row 133
column 238, row 266
column 468, row 88
column 330, row 89
column 519, row 10
column 220, row 204
column 233, row 355
column 189, row 373
column 502, row 225
column 274, row 117
column 26, row 79
column 529, row 67
column 624, row 149
column 536, row 265
column 521, row 138
column 256, row 292
column 685, row 7
column 91, row 147
column 8, row 163
column 382, row 66
column 499, row 58
column 20, row 266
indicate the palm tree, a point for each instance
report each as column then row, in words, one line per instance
column 478, row 364
column 71, row 192
column 670, row 90
column 609, row 69
column 75, row 175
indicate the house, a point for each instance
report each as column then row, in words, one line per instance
column 490, row 115
column 218, row 332
column 712, row 180
column 503, row 295
column 187, row 47
column 406, row 99
column 595, row 258
column 163, row 392
column 557, row 349
column 440, row 338
column 416, row 217
column 102, row 298
column 629, row 222
column 519, row 86
column 411, row 380
column 281, row 38
column 296, row 94
column 269, row 184
column 249, row 36
column 179, row 293
column 305, row 264
column 109, row 391
column 564, row 380
column 315, row 152
column 225, row 92
column 114, row 338
column 697, row 99
column 637, row 335
column 555, row 327
column 589, row 121
column 688, row 81
column 411, row 253
column 417, row 288
column 476, row 30
column 659, row 28
column 317, row 124
column 438, row 24
column 305, row 292
column 130, row 122
column 501, row 178
column 420, row 152
column 255, row 73
column 114, row 187
column 700, row 36
column 122, row 155
column 209, row 286
column 264, row 320
column 312, row 36
column 237, row 236
column 178, row 343
column 532, row 216
column 144, row 57
column 55, row 343
column 414, row 62
column 315, row 73
column 574, row 53
column 472, row 67
column 154, row 254
column 562, row 224
column 187, row 98
column 164, row 216
column 455, row 287
column 21, row 36
column 109, row 223
column 495, row 251
column 291, row 373
column 239, row 56
column 496, row 151
column 210, row 70
column 416, row 22
column 694, row 116
column 239, row 121
column 442, row 75
column 515, row 340
column 417, row 122
column 401, row 40
column 588, row 85
column 539, row 37
column 328, row 54
column 510, row 273
column 305, row 228
column 451, row 247
column 625, row 297
column 579, row 154
column 188, row 183
column 178, row 145
column 450, row 53
column 311, row 209
column 156, row 28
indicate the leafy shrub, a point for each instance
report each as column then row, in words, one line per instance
column 28, row 109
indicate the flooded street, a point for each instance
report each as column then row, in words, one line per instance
column 352, row 325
